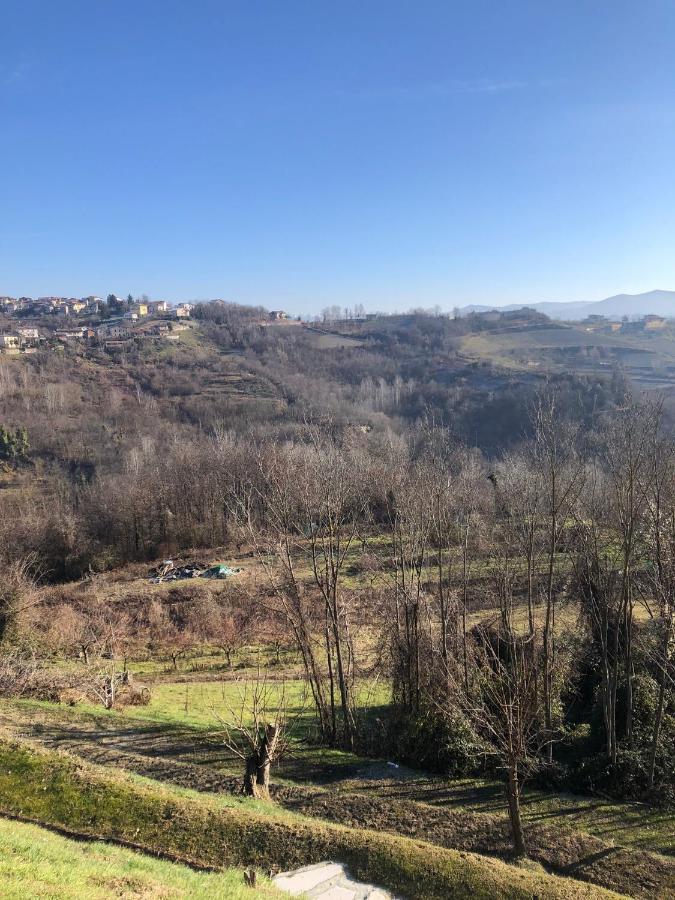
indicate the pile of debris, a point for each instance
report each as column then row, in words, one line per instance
column 219, row 570
column 168, row 571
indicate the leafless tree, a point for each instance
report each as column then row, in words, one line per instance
column 625, row 454
column 503, row 700
column 256, row 729
column 410, row 512
column 561, row 471
column 659, row 576
column 311, row 506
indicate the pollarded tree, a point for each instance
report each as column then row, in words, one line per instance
column 256, row 730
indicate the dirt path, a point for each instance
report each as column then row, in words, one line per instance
column 181, row 758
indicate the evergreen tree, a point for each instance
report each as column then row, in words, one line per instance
column 14, row 445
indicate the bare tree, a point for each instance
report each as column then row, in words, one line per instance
column 410, row 512
column 17, row 596
column 561, row 471
column 311, row 507
column 257, row 731
column 519, row 489
column 660, row 575
column 625, row 455
column 269, row 507
column 503, row 699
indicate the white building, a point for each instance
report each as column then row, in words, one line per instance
column 114, row 328
column 28, row 334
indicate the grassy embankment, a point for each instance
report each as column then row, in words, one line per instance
column 581, row 837
column 36, row 862
column 224, row 831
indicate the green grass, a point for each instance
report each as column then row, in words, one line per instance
column 304, row 761
column 207, row 705
column 633, row 825
column 35, row 862
column 629, row 824
column 223, row 831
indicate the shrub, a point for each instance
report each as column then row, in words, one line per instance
column 437, row 742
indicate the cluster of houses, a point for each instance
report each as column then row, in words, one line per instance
column 636, row 326
column 144, row 318
column 89, row 306
column 47, row 306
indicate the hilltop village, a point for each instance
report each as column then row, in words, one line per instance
column 27, row 324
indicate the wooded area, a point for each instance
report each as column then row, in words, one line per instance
column 516, row 605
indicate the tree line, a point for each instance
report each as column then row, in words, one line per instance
column 522, row 609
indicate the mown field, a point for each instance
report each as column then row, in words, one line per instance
column 36, row 862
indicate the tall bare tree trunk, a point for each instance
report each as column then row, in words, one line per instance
column 465, row 658
column 658, row 721
column 513, row 796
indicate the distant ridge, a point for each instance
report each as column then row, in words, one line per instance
column 658, row 303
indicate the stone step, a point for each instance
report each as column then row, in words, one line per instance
column 330, row 881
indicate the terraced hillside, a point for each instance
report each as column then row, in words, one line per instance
column 648, row 359
column 215, row 830
column 600, row 843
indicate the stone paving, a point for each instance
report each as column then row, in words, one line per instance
column 329, row 881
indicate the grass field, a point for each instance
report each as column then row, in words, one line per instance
column 634, row 825
column 163, row 730
column 37, row 863
column 225, row 831
column 208, row 704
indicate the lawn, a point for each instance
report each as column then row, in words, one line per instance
column 35, row 862
column 207, row 706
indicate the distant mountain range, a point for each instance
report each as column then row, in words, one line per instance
column 658, row 303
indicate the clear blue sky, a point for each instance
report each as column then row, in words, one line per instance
column 305, row 153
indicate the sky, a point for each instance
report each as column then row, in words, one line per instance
column 304, row 154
